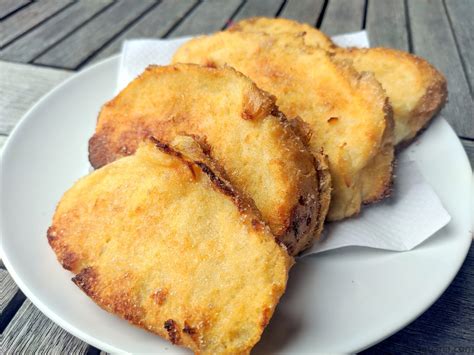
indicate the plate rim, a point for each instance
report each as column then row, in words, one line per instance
column 57, row 319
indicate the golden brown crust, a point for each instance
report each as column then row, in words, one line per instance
column 242, row 127
column 303, row 130
column 163, row 240
column 417, row 90
column 345, row 109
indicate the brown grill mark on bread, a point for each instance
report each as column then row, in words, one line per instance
column 86, row 280
column 173, row 331
column 266, row 317
column 99, row 155
column 69, row 260
column 160, row 296
column 188, row 329
column 223, row 186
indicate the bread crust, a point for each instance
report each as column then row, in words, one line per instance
column 211, row 285
column 245, row 133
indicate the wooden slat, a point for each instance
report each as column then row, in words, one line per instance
column 343, row 16
column 461, row 13
column 8, row 288
column 155, row 24
column 303, row 10
column 41, row 38
column 209, row 16
column 32, row 332
column 21, row 86
column 30, row 16
column 8, row 6
column 75, row 49
column 432, row 39
column 386, row 24
column 254, row 8
column 469, row 147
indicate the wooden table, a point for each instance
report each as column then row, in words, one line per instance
column 43, row 42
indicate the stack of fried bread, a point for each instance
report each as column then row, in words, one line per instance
column 213, row 172
column 359, row 103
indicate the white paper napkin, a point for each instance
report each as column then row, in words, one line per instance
column 400, row 223
column 411, row 215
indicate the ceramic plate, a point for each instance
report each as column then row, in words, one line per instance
column 339, row 301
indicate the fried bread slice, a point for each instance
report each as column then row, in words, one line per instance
column 348, row 112
column 162, row 239
column 244, row 131
column 416, row 89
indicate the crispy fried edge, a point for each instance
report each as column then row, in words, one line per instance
column 430, row 103
column 321, row 162
column 87, row 278
column 295, row 242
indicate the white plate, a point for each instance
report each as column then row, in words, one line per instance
column 339, row 301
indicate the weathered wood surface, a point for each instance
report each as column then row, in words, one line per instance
column 8, row 288
column 87, row 40
column 461, row 14
column 386, row 24
column 21, row 86
column 31, row 332
column 253, row 8
column 303, row 10
column 209, row 16
column 448, row 323
column 8, row 6
column 11, row 299
column 343, row 16
column 156, row 23
column 27, row 18
column 37, row 41
column 433, row 39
